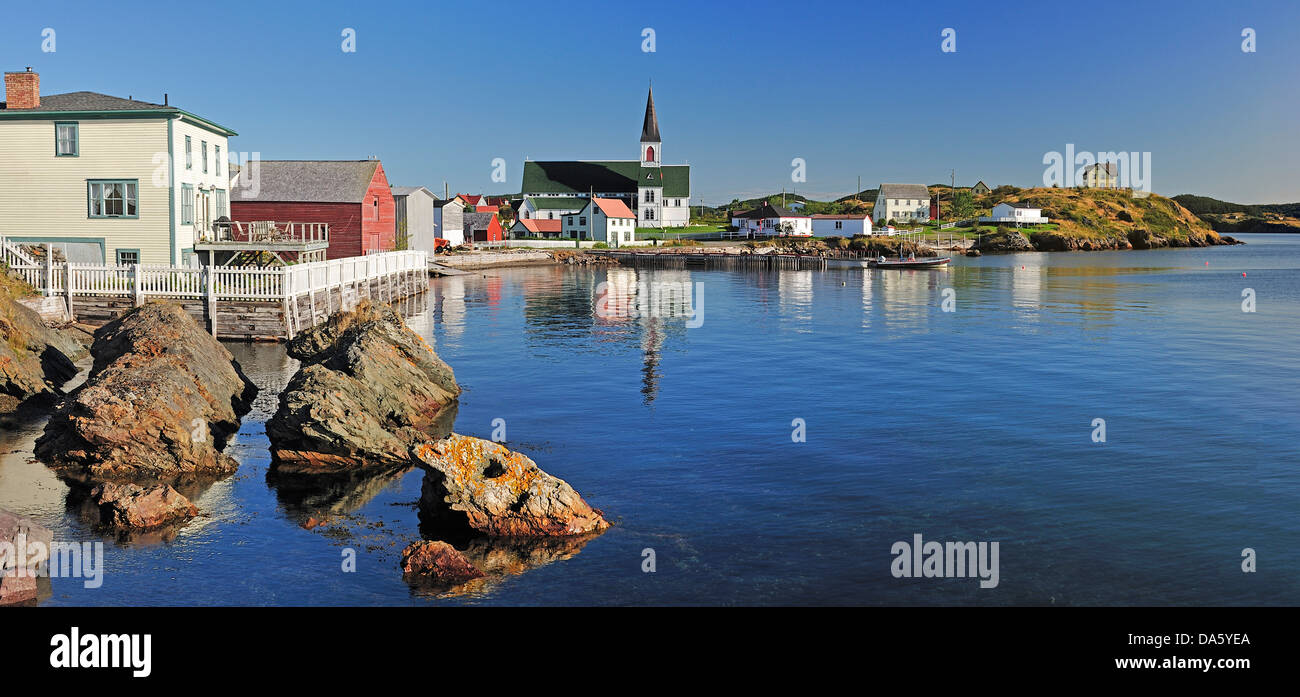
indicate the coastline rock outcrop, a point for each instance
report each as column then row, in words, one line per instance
column 132, row 506
column 482, row 486
column 369, row 389
column 1004, row 241
column 35, row 361
column 434, row 561
column 161, row 400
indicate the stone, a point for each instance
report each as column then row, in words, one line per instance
column 368, row 390
column 162, row 398
column 437, row 561
column 475, row 484
column 35, row 361
column 133, row 506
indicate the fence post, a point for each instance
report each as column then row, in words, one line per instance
column 210, row 286
column 285, row 277
column 49, row 269
column 67, row 288
column 135, row 283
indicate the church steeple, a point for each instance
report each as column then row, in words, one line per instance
column 650, row 143
column 650, row 128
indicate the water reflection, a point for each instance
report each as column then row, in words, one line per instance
column 501, row 558
column 303, row 497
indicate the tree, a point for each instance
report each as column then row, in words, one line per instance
column 963, row 204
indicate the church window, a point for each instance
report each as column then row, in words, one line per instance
column 650, row 153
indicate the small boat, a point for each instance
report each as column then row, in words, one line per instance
column 909, row 263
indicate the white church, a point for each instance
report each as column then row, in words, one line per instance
column 659, row 194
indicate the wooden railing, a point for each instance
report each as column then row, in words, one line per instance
column 269, row 232
column 219, row 282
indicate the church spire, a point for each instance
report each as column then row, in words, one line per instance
column 650, row 128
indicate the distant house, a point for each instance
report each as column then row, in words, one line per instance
column 352, row 196
column 1104, row 175
column 607, row 220
column 1015, row 213
column 413, row 216
column 84, row 172
column 841, row 225
column 449, row 220
column 980, row 188
column 902, row 202
column 550, row 207
column 773, row 220
column 535, row 228
column 482, row 226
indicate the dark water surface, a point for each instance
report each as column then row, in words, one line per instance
column 971, row 425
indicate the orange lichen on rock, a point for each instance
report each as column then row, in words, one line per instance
column 496, row 491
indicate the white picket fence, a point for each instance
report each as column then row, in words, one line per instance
column 214, row 283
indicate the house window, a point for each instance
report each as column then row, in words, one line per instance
column 216, row 165
column 582, row 220
column 375, row 207
column 221, row 203
column 65, row 140
column 204, row 146
column 127, row 257
column 187, row 204
column 189, row 155
column 550, row 216
column 839, row 225
column 649, row 214
column 113, row 198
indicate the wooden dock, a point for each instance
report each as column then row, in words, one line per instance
column 720, row 260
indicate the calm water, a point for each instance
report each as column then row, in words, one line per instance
column 968, row 425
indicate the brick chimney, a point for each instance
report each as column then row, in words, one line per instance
column 22, row 90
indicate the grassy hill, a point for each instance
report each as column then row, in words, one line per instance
column 1110, row 219
column 1226, row 216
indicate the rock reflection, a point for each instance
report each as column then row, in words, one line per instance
column 501, row 558
column 304, row 497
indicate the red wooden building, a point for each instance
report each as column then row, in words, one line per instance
column 352, row 196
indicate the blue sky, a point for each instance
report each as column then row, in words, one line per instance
column 854, row 88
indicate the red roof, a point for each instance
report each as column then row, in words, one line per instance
column 481, row 208
column 534, row 225
column 614, row 208
column 471, row 200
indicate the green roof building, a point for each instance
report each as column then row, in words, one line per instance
column 659, row 194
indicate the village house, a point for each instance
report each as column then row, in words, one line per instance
column 1104, row 175
column 536, row 228
column 413, row 217
column 659, row 194
column 844, row 225
column 773, row 221
column 82, row 171
column 351, row 196
column 482, row 226
column 905, row 203
column 1014, row 213
column 449, row 220
column 610, row 221
column 980, row 188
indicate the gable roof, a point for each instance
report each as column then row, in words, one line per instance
column 86, row 102
column 408, row 190
column 1109, row 167
column 478, row 220
column 558, row 202
column 309, row 181
column 603, row 176
column 614, row 208
column 980, row 183
column 539, row 225
column 650, row 126
column 439, row 202
column 471, row 199
column 767, row 210
column 904, row 191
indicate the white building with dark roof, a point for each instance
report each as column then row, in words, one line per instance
column 413, row 216
column 905, row 203
column 106, row 179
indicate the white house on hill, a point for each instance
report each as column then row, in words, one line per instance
column 906, row 203
column 1015, row 213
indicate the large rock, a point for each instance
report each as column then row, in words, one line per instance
column 136, row 507
column 369, row 389
column 35, row 360
column 482, row 486
column 437, row 562
column 1004, row 240
column 29, row 543
column 161, row 400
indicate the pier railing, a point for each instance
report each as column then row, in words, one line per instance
column 214, row 282
column 270, row 232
